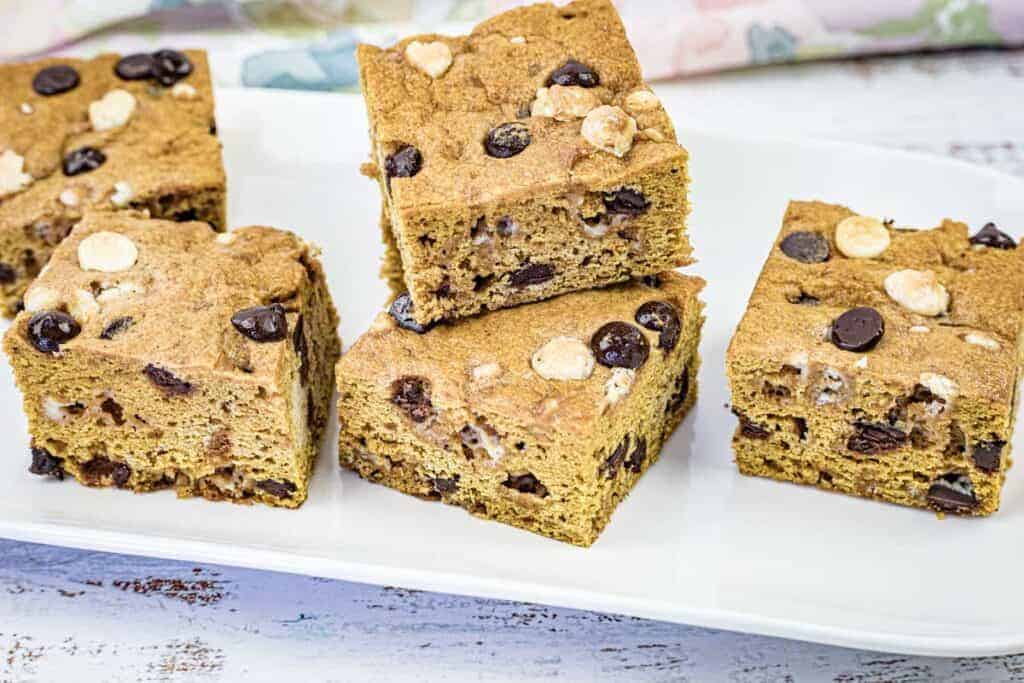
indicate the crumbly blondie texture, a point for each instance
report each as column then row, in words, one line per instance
column 882, row 362
column 525, row 160
column 75, row 135
column 542, row 417
column 164, row 355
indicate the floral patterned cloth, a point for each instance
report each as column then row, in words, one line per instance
column 309, row 44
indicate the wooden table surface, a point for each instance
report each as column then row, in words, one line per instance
column 68, row 615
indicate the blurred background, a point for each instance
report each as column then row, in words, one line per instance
column 309, row 44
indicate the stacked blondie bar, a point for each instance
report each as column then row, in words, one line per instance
column 525, row 163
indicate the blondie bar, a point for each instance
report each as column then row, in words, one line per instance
column 882, row 362
column 107, row 133
column 525, row 160
column 158, row 355
column 542, row 417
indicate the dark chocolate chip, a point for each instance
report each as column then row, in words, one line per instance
column 444, row 291
column 987, row 455
column 262, row 323
column 626, row 201
column 116, row 327
column 412, row 394
column 166, row 381
column 47, row 330
column 620, row 345
column 806, row 247
column 121, row 474
column 859, row 329
column 135, row 67
column 801, row 427
column 526, row 483
column 531, row 274
column 445, row 485
column 83, row 160
column 613, row 463
column 679, row 392
column 402, row 311
column 660, row 316
column 957, row 441
column 113, row 409
column 507, row 140
column 574, row 73
column 804, row 299
column 185, row 216
column 46, row 464
column 749, row 428
column 635, row 463
column 870, row 438
column 506, row 226
column 405, row 162
column 653, row 281
column 301, row 350
column 279, row 489
column 991, row 236
column 170, row 66
column 101, row 466
column 954, row 493
column 54, row 80
column 7, row 274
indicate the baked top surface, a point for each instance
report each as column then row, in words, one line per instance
column 166, row 146
column 486, row 362
column 181, row 292
column 985, row 286
column 493, row 80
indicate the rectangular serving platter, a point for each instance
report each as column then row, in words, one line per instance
column 695, row 543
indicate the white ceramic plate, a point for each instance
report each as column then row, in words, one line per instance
column 695, row 542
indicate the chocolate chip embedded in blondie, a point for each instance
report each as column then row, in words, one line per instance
column 107, row 133
column 525, row 160
column 158, row 355
column 882, row 362
column 542, row 416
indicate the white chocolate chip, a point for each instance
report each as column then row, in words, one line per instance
column 652, row 134
column 918, row 291
column 642, row 100
column 862, row 237
column 486, row 372
column 832, row 385
column 940, row 385
column 68, row 197
column 920, row 329
column 798, row 360
column 58, row 412
column 12, row 173
column 861, row 363
column 184, row 91
column 618, row 385
column 108, row 252
column 483, row 437
column 121, row 289
column 225, row 238
column 83, row 305
column 432, row 58
column 123, row 193
column 112, row 110
column 39, row 298
column 26, row 108
column 609, row 129
column 564, row 102
column 982, row 340
column 563, row 358
column 517, row 40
